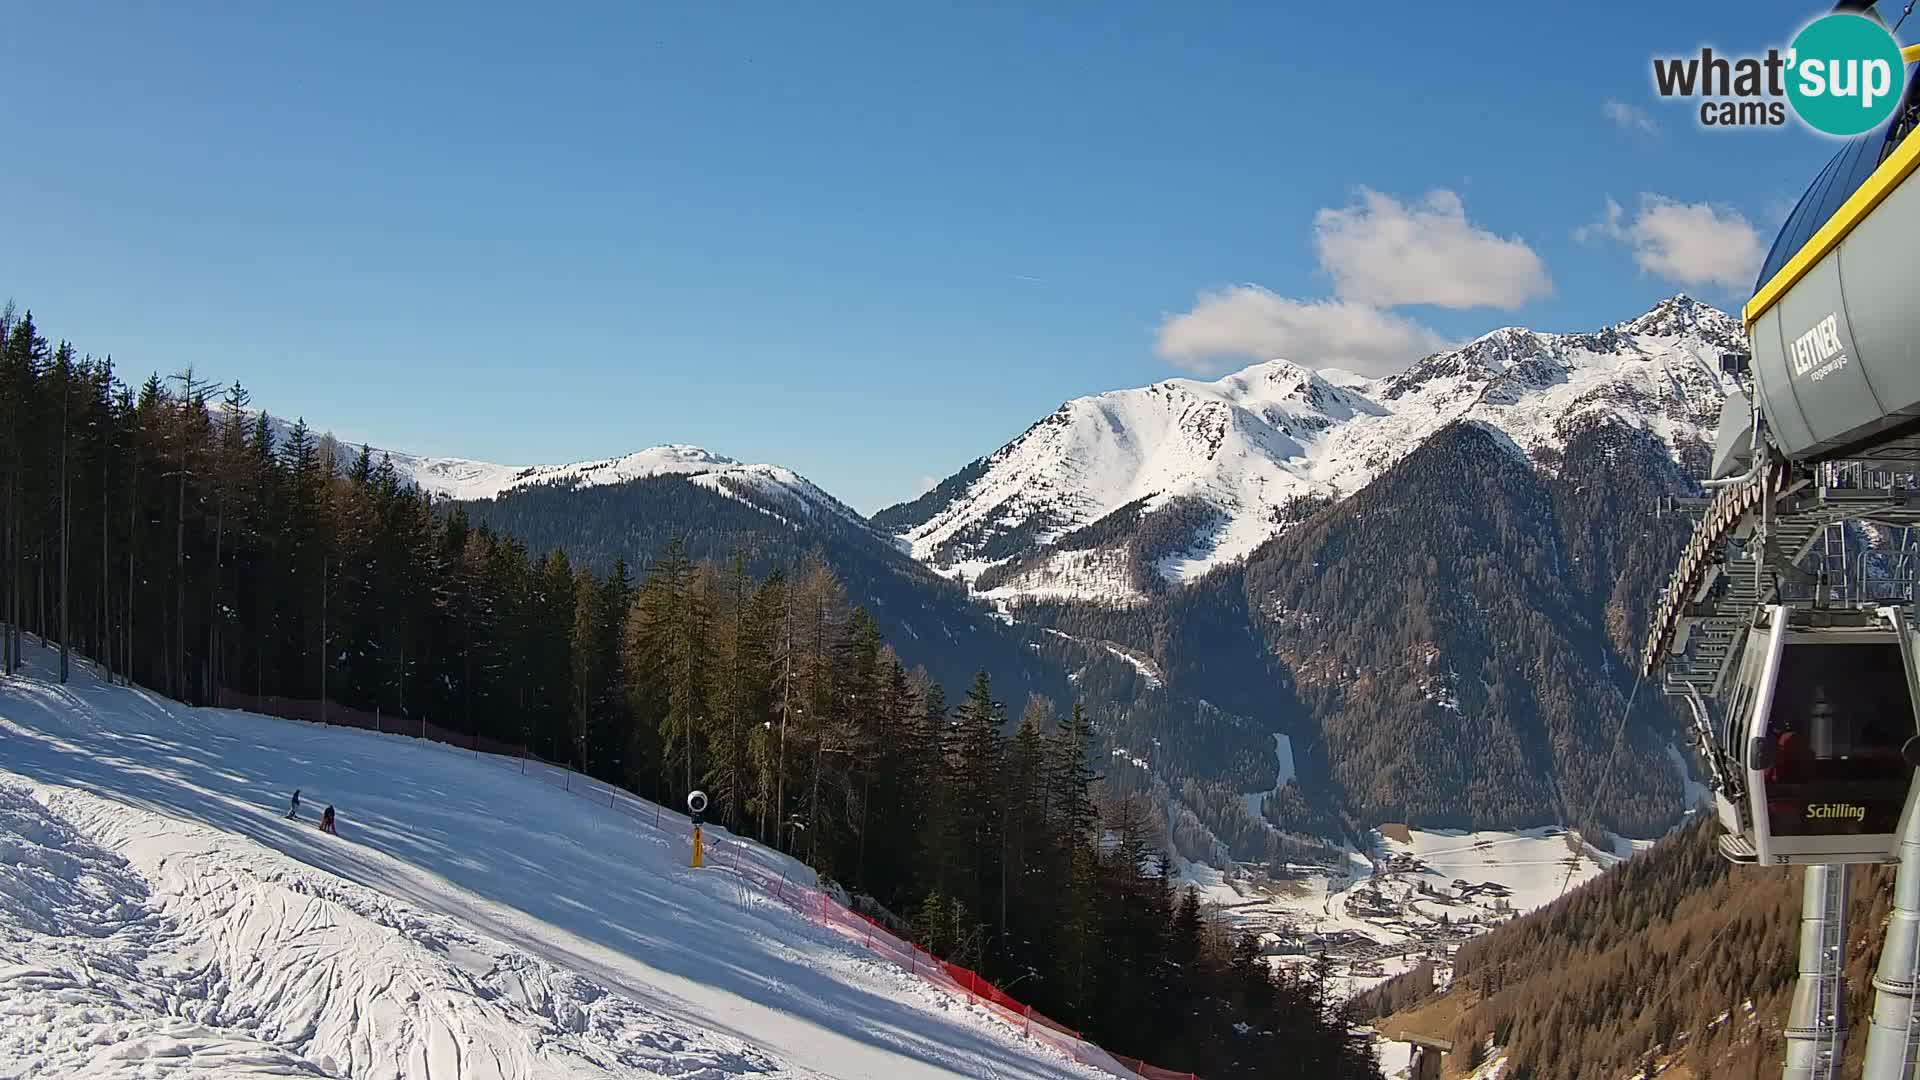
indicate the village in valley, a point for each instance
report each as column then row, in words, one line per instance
column 1414, row 897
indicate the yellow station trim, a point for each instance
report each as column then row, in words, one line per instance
column 1877, row 187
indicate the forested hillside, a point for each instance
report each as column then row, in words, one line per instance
column 170, row 536
column 1176, row 747
column 1673, row 956
column 931, row 620
column 1434, row 625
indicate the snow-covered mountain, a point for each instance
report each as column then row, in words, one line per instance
column 1116, row 492
column 458, row 478
column 773, row 488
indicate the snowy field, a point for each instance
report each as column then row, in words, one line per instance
column 159, row 917
column 1535, row 864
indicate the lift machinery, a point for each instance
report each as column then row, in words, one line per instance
column 1787, row 625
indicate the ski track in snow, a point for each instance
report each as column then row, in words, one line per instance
column 194, row 951
column 159, row 917
column 1256, row 803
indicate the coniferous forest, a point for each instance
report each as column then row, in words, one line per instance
column 165, row 533
column 1675, row 959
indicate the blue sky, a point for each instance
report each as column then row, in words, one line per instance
column 868, row 241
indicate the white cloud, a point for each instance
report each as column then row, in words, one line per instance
column 1697, row 244
column 1630, row 117
column 1381, row 254
column 1386, row 253
column 1607, row 228
column 1249, row 322
column 928, row 483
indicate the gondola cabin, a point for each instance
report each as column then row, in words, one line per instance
column 1820, row 725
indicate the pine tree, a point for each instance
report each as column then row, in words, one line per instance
column 606, row 742
column 61, row 387
column 972, row 847
column 730, row 692
column 1072, row 778
column 589, row 661
column 188, row 437
column 768, row 745
column 1028, row 857
column 24, row 357
column 818, row 613
column 678, row 623
column 11, row 446
column 551, row 690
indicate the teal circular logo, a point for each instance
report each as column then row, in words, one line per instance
column 1845, row 76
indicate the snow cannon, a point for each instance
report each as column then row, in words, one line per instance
column 696, row 807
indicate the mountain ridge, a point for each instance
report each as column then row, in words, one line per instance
column 1255, row 442
column 1212, row 469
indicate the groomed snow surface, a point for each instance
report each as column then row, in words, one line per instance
column 160, row 917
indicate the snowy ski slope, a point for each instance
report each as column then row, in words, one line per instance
column 160, row 917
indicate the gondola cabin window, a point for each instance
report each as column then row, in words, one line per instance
column 1840, row 714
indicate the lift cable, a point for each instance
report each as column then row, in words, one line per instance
column 1903, row 15
column 1606, row 774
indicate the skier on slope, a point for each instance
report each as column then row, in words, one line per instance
column 326, row 820
column 294, row 810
